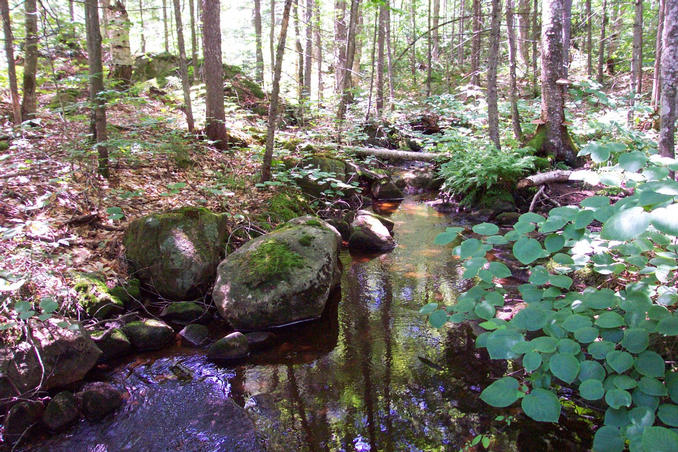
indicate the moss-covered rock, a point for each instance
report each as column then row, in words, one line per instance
column 176, row 252
column 232, row 346
column 61, row 411
column 95, row 297
column 113, row 343
column 385, row 190
column 283, row 207
column 149, row 334
column 127, row 292
column 156, row 65
column 280, row 277
column 314, row 185
column 98, row 399
column 182, row 312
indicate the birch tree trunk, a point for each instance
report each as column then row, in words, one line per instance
column 656, row 77
column 121, row 54
column 215, row 129
column 515, row 117
column 96, row 84
column 275, row 93
column 389, row 53
column 492, row 63
column 271, row 38
column 355, row 73
column 669, row 80
column 183, row 68
column 29, row 103
column 11, row 67
column 259, row 73
column 536, row 32
column 71, row 10
column 300, row 59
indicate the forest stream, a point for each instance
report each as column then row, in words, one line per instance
column 370, row 375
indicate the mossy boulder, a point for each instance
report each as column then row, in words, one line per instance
column 322, row 170
column 182, row 312
column 232, row 346
column 112, row 342
column 127, row 292
column 149, row 334
column 154, row 65
column 385, row 190
column 95, row 297
column 281, row 277
column 61, row 411
column 176, row 252
column 98, row 399
column 282, row 207
column 370, row 234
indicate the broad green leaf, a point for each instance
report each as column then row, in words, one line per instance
column 500, row 342
column 564, row 366
column 484, row 310
column 562, row 281
column 591, row 389
column 642, row 399
column 617, row 418
column 499, row 270
column 600, row 349
column 532, row 361
column 539, row 275
column 501, row 393
column 635, row 339
column 531, row 217
column 541, row 405
column 672, row 385
column 639, row 418
column 617, row 398
column 665, row 219
column 660, row 439
column 608, row 439
column 632, row 161
column 623, row 382
column 429, row 308
column 448, row 236
column 527, row 250
column 609, row 319
column 650, row 364
column 530, row 319
column 48, row 305
column 652, row 387
column 596, row 202
column 591, row 369
column 619, row 361
column 586, row 335
column 486, row 229
column 544, row 344
column 583, row 219
column 567, row 345
column 668, row 326
column 668, row 414
column 626, row 225
column 438, row 318
column 469, row 248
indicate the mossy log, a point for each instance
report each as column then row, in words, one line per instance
column 392, row 154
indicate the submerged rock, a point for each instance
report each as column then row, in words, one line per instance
column 98, row 399
column 67, row 354
column 281, row 277
column 61, row 411
column 260, row 340
column 232, row 346
column 176, row 252
column 370, row 234
column 20, row 418
column 113, row 343
column 194, row 334
column 182, row 312
column 149, row 334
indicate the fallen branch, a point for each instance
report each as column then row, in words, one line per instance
column 544, row 178
column 394, row 154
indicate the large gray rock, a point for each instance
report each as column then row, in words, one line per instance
column 61, row 411
column 66, row 354
column 281, row 277
column 176, row 252
column 370, row 234
column 231, row 346
column 149, row 334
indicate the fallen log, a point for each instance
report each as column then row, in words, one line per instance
column 394, row 154
column 544, row 178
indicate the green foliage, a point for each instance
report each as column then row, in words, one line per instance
column 602, row 343
column 272, row 259
column 484, row 169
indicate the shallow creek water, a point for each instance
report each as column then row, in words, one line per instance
column 370, row 375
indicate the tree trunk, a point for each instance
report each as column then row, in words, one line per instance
column 275, row 92
column 656, row 77
column 29, row 103
column 601, row 45
column 462, row 21
column 567, row 35
column 475, row 43
column 492, row 63
column 637, row 57
column 515, row 117
column 524, row 33
column 96, row 84
column 436, row 32
column 121, row 54
column 194, row 41
column 71, row 10
column 259, row 73
column 557, row 141
column 393, row 154
column 141, row 26
column 536, row 31
column 308, row 54
column 319, row 51
column 589, row 40
column 350, row 54
column 215, row 129
column 300, row 59
column 11, row 67
column 357, row 50
column 373, row 64
column 165, row 25
column 381, row 36
column 413, row 53
column 613, row 40
column 183, row 68
column 669, row 78
column 389, row 53
column 271, row 38
column 340, row 34
column 429, row 52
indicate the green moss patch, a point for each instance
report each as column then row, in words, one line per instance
column 271, row 261
column 96, row 298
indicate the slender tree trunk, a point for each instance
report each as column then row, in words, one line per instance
column 589, row 40
column 601, row 45
column 215, row 128
column 319, row 51
column 613, row 40
column 373, row 64
column 194, row 40
column 275, row 93
column 11, row 67
column 259, row 73
column 389, row 53
column 165, row 25
column 637, row 57
column 524, row 33
column 429, row 52
column 141, row 26
column 536, row 32
column 71, row 11
column 271, row 37
column 121, row 54
column 96, row 84
column 515, row 117
column 436, row 32
column 183, row 68
column 300, row 58
column 567, row 35
column 381, row 36
column 669, row 80
column 557, row 141
column 340, row 34
column 492, row 63
column 350, row 54
column 462, row 20
column 29, row 103
column 413, row 54
column 475, row 43
column 656, row 77
column 356, row 75
column 308, row 54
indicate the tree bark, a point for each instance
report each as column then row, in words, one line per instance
column 165, row 25
column 389, row 53
column 429, row 51
column 319, row 51
column 515, row 116
column 613, row 39
column 308, row 53
column 194, row 40
column 601, row 44
column 141, row 26
column 462, row 21
column 475, row 43
column 556, row 141
column 392, row 154
column 373, row 64
column 11, row 67
column 300, row 59
column 357, row 50
column 589, row 40
column 656, row 77
column 96, row 84
column 413, row 53
column 275, row 92
column 71, row 10
column 637, row 57
column 29, row 103
column 544, row 178
column 524, row 33
column 183, row 68
column 271, row 38
column 259, row 73
column 350, row 54
column 536, row 31
column 567, row 35
column 381, row 36
column 215, row 129
column 492, row 63
column 435, row 20
column 669, row 78
column 121, row 54
column 340, row 34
